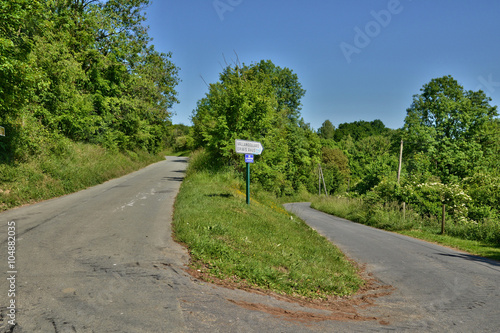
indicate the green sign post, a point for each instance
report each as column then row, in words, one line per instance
column 248, row 183
column 249, row 148
column 2, row 131
column 248, row 160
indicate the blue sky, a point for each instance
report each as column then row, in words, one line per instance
column 356, row 59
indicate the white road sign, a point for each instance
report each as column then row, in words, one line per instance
column 248, row 147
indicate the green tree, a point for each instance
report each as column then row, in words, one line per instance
column 305, row 150
column 444, row 123
column 98, row 79
column 360, row 129
column 180, row 137
column 19, row 77
column 240, row 106
column 286, row 87
column 327, row 130
column 259, row 102
column 20, row 19
column 489, row 139
column 373, row 160
column 335, row 165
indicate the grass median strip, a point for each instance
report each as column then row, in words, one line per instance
column 260, row 244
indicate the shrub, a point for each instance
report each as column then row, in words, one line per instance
column 428, row 199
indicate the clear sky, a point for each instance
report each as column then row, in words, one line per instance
column 356, row 59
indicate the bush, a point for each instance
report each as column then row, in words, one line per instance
column 183, row 143
column 389, row 216
column 428, row 199
column 484, row 190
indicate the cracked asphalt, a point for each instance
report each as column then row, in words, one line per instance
column 103, row 260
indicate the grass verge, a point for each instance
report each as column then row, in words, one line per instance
column 73, row 167
column 258, row 245
column 390, row 217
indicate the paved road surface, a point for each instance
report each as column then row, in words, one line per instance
column 103, row 260
column 436, row 288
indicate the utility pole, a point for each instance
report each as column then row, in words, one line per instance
column 400, row 160
column 319, row 179
column 322, row 177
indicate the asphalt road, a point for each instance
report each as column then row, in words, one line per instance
column 436, row 289
column 103, row 260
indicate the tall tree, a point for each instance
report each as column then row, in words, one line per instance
column 19, row 22
column 259, row 102
column 327, row 130
column 19, row 76
column 106, row 83
column 444, row 125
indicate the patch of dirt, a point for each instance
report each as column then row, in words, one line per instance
column 336, row 308
column 300, row 316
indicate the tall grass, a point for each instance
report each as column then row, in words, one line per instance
column 66, row 168
column 477, row 238
column 390, row 216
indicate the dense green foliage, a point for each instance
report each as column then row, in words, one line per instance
column 85, row 71
column 444, row 128
column 360, row 129
column 451, row 140
column 73, row 167
column 81, row 69
column 180, row 138
column 370, row 157
column 479, row 239
column 451, row 144
column 260, row 102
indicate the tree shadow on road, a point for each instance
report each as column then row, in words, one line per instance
column 174, row 179
column 470, row 257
